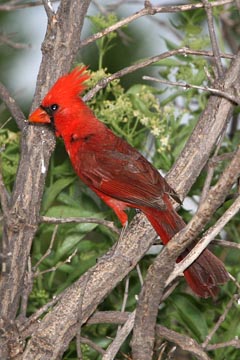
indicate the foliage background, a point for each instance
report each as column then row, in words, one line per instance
column 157, row 120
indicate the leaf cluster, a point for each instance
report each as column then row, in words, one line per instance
column 131, row 114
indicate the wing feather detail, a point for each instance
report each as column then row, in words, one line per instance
column 124, row 174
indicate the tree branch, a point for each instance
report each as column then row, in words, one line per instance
column 12, row 106
column 121, row 336
column 216, row 51
column 59, row 50
column 212, row 122
column 4, row 196
column 227, row 244
column 4, row 39
column 205, row 240
column 186, row 86
column 103, row 277
column 139, row 65
column 184, row 342
column 14, row 5
column 234, row 343
column 220, row 320
column 49, row 10
column 150, row 10
column 152, row 291
column 81, row 220
column 92, row 345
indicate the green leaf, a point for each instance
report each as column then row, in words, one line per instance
column 78, row 231
column 68, row 200
column 68, row 245
column 140, row 105
column 140, row 88
column 64, row 168
column 170, row 44
column 52, row 192
column 190, row 315
column 69, row 211
column 168, row 63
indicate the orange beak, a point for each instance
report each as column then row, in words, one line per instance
column 39, row 116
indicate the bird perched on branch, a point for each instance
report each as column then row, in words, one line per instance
column 119, row 174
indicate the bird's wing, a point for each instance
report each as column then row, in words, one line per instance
column 124, row 174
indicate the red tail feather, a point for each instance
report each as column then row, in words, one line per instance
column 207, row 272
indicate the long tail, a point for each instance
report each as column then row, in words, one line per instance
column 207, row 272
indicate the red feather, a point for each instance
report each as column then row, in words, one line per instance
column 119, row 174
column 70, row 85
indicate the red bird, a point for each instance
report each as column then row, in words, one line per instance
column 119, row 174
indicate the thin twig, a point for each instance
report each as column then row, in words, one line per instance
column 234, row 343
column 183, row 341
column 170, row 289
column 48, row 252
column 121, row 336
column 125, row 297
column 215, row 159
column 4, row 196
column 216, row 51
column 211, row 169
column 228, row 26
column 12, row 5
column 123, row 36
column 15, row 45
column 205, row 240
column 225, row 243
column 49, row 9
column 207, row 184
column 28, row 284
column 127, row 70
column 12, row 106
column 78, row 346
column 139, row 274
column 234, row 280
column 92, row 345
column 81, row 220
column 191, row 86
column 54, row 268
column 238, row 4
column 220, row 320
column 4, row 124
column 79, row 315
column 114, row 7
column 150, row 10
column 26, row 329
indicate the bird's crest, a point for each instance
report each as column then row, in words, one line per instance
column 69, row 85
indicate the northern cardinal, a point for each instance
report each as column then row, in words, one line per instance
column 119, row 174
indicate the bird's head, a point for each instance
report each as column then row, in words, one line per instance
column 62, row 102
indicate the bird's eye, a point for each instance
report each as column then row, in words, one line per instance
column 54, row 107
